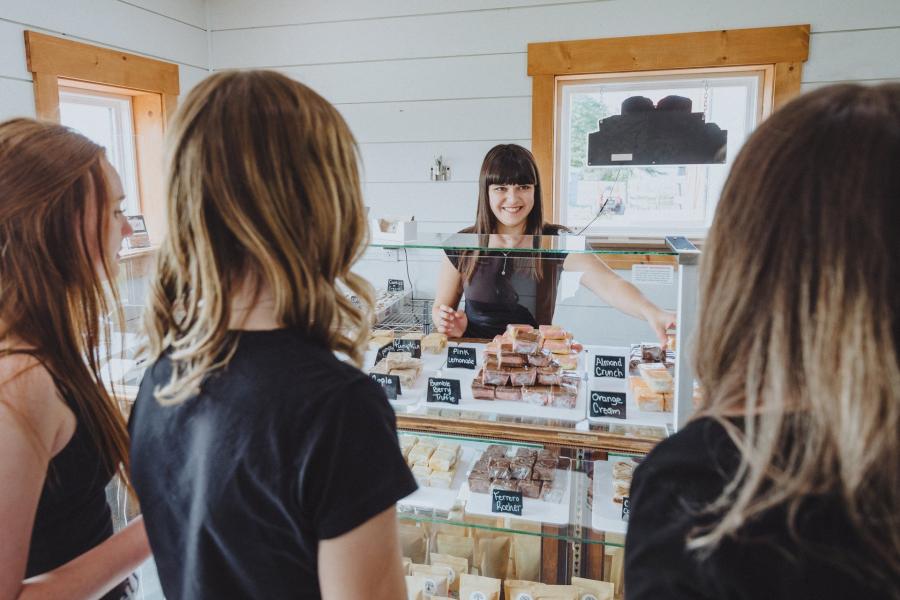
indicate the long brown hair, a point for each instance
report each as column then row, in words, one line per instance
column 263, row 182
column 504, row 164
column 800, row 320
column 52, row 299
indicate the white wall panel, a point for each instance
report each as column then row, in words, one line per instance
column 420, row 79
column 112, row 23
column 16, row 99
column 854, row 55
column 409, row 162
column 192, row 12
column 188, row 77
column 443, row 201
column 445, row 120
column 504, row 31
column 228, row 14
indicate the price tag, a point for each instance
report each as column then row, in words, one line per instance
column 612, row 367
column 414, row 347
column 461, row 358
column 626, row 508
column 395, row 285
column 607, row 404
column 506, row 502
column 390, row 383
column 443, row 390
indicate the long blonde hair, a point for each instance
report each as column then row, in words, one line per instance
column 53, row 303
column 263, row 182
column 800, row 321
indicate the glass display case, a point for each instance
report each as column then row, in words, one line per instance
column 524, row 429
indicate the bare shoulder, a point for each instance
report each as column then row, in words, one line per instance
column 28, row 392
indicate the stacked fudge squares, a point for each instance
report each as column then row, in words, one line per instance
column 537, row 366
column 532, row 472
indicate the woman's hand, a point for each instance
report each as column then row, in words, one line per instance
column 451, row 322
column 661, row 321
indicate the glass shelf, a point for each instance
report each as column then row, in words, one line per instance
column 570, row 519
column 534, row 244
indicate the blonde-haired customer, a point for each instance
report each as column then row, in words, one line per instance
column 787, row 484
column 265, row 466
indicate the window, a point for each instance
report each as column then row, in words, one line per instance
column 735, row 76
column 106, row 119
column 119, row 100
column 655, row 200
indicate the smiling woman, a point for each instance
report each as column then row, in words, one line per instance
column 511, row 284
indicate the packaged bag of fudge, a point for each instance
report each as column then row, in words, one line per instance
column 557, row 592
column 590, row 589
column 472, row 587
column 492, row 556
column 413, row 543
column 456, row 545
column 455, row 566
column 436, row 579
column 527, row 553
column 516, row 589
column 415, row 587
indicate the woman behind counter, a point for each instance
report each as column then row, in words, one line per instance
column 515, row 286
column 787, row 483
column 265, row 467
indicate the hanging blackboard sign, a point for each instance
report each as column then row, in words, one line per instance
column 612, row 367
column 443, row 390
column 506, row 502
column 607, row 404
column 390, row 383
column 461, row 358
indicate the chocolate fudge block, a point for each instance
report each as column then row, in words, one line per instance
column 530, row 488
column 479, row 483
column 539, row 359
column 520, row 469
column 507, row 485
column 508, row 393
column 526, row 453
column 544, row 470
column 499, row 468
column 496, row 450
column 481, row 391
column 519, row 376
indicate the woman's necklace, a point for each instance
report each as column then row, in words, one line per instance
column 505, row 256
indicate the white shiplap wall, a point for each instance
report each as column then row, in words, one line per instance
column 419, row 78
column 172, row 30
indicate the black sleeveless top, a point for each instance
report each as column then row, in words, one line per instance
column 72, row 514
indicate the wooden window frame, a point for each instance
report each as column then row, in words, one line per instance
column 152, row 84
column 782, row 49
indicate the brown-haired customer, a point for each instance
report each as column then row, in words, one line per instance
column 265, row 466
column 62, row 437
column 787, row 482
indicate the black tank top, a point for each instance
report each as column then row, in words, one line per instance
column 72, row 514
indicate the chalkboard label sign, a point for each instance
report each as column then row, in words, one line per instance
column 461, row 358
column 443, row 390
column 612, row 367
column 395, row 285
column 626, row 508
column 390, row 383
column 608, row 404
column 414, row 347
column 506, row 502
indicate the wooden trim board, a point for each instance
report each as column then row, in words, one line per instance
column 782, row 49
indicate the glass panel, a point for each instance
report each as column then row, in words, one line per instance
column 562, row 498
column 653, row 199
column 106, row 119
column 528, row 244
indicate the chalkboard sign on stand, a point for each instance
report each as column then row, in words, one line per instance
column 390, row 383
column 607, row 404
column 443, row 390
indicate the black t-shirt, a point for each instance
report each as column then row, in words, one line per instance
column 509, row 286
column 685, row 473
column 284, row 447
